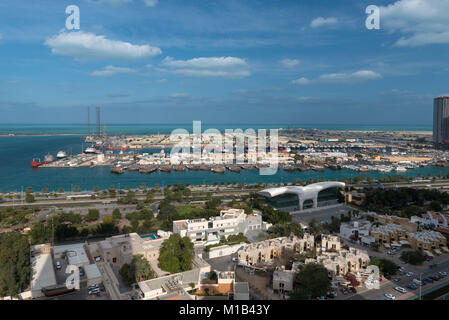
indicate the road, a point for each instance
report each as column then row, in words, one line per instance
column 387, row 286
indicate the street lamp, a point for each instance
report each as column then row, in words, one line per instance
column 420, row 286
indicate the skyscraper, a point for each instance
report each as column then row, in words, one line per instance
column 441, row 122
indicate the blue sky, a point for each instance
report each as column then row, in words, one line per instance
column 230, row 61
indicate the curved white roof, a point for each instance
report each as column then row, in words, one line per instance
column 309, row 190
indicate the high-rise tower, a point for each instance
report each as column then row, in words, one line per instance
column 441, row 122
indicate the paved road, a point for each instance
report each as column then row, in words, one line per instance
column 387, row 286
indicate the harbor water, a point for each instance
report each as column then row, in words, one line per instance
column 16, row 153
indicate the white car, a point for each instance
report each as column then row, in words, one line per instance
column 409, row 274
column 400, row 289
column 443, row 273
column 58, row 265
column 389, row 296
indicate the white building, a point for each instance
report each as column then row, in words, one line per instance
column 229, row 222
column 296, row 198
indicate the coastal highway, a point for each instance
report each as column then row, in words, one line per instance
column 64, row 201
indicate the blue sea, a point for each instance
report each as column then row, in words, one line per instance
column 17, row 152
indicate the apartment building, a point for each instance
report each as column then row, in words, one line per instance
column 264, row 252
column 427, row 240
column 386, row 234
column 408, row 225
column 229, row 222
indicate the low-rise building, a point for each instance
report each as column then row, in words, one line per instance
column 386, row 234
column 408, row 225
column 283, row 280
column 120, row 249
column 229, row 222
column 264, row 252
column 355, row 230
column 427, row 240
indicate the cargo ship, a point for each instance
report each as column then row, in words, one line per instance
column 47, row 159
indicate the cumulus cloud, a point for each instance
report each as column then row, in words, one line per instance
column 420, row 22
column 356, row 76
column 111, row 70
column 208, row 67
column 290, row 63
column 150, row 3
column 322, row 22
column 88, row 46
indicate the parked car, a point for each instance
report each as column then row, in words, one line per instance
column 409, row 274
column 58, row 265
column 412, row 286
column 443, row 273
column 400, row 289
column 397, row 279
column 418, row 282
column 390, row 296
column 353, row 290
column 81, row 272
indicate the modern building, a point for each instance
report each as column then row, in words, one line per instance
column 441, row 122
column 229, row 222
column 264, row 252
column 297, row 198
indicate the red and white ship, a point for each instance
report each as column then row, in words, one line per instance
column 37, row 162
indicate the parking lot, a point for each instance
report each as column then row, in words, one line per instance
column 321, row 214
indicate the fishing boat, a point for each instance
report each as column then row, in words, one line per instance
column 165, row 168
column 218, row 169
column 318, row 168
column 204, row 168
column 147, row 169
column 290, row 168
column 117, row 170
column 193, row 167
column 234, row 168
column 180, row 168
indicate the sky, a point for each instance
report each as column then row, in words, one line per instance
column 229, row 61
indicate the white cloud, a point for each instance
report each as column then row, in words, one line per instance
column 208, row 67
column 301, row 81
column 111, row 70
column 357, row 76
column 88, row 46
column 180, row 95
column 290, row 63
column 320, row 22
column 420, row 22
column 150, row 3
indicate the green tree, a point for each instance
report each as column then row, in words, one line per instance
column 414, row 257
column 176, row 254
column 15, row 270
column 312, row 281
